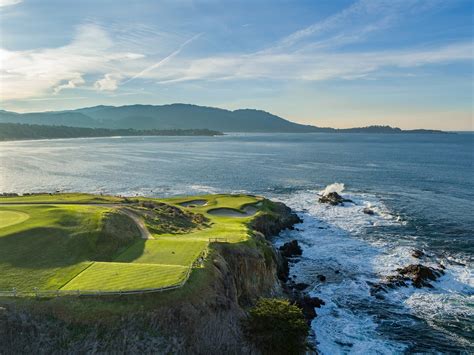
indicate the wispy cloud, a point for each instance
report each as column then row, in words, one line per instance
column 353, row 23
column 33, row 73
column 164, row 60
column 309, row 67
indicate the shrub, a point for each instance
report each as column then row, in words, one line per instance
column 276, row 326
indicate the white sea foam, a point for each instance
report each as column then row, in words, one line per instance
column 336, row 187
column 335, row 244
column 204, row 189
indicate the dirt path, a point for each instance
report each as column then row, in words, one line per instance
column 145, row 234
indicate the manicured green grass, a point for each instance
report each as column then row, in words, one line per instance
column 10, row 218
column 62, row 246
column 164, row 251
column 125, row 276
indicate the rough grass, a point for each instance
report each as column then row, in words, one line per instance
column 61, row 245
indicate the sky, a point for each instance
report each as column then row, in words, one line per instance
column 336, row 63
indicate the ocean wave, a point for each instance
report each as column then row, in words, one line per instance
column 335, row 244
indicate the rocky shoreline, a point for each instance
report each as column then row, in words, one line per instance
column 287, row 253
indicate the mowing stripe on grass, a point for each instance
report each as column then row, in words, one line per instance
column 164, row 251
column 111, row 276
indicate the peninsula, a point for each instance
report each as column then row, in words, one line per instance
column 189, row 272
column 18, row 131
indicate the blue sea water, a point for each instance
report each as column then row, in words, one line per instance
column 421, row 187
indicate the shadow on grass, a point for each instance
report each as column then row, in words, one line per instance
column 39, row 248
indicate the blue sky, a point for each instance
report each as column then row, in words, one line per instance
column 339, row 63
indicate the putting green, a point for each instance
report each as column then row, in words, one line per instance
column 10, row 218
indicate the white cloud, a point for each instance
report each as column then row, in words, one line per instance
column 38, row 72
column 109, row 82
column 71, row 84
column 9, row 2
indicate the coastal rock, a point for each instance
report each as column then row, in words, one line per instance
column 282, row 217
column 308, row 305
column 301, row 286
column 283, row 268
column 420, row 275
column 416, row 253
column 291, row 249
column 368, row 211
column 334, row 199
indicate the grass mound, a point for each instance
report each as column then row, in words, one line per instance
column 162, row 218
column 118, row 232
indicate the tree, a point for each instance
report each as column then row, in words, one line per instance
column 276, row 326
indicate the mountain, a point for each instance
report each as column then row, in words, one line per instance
column 177, row 116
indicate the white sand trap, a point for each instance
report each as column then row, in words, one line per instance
column 10, row 218
column 229, row 212
column 193, row 203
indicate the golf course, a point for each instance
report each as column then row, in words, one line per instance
column 92, row 244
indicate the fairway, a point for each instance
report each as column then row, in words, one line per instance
column 81, row 242
column 10, row 218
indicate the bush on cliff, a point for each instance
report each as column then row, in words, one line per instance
column 277, row 327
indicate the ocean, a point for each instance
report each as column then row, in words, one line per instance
column 421, row 187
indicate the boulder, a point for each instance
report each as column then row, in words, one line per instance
column 301, row 286
column 308, row 304
column 334, row 199
column 420, row 275
column 368, row 211
column 291, row 249
column 416, row 253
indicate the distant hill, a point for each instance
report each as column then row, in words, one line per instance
column 179, row 116
column 18, row 131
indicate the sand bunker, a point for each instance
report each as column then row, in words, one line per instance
column 193, row 203
column 229, row 212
